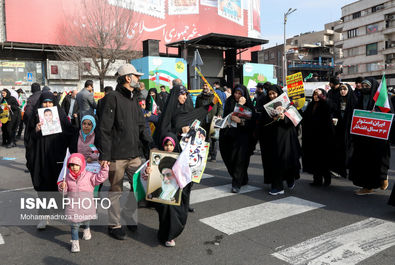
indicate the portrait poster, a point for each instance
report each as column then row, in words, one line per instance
column 183, row 7
column 282, row 104
column 198, row 150
column 162, row 184
column 231, row 10
column 49, row 118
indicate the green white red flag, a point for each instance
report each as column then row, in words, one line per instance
column 381, row 96
column 154, row 107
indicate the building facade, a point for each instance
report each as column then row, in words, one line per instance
column 368, row 40
column 311, row 52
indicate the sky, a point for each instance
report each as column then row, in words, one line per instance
column 311, row 15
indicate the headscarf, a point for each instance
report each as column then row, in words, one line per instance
column 373, row 88
column 8, row 93
column 173, row 138
column 46, row 96
column 92, row 119
column 156, row 98
column 176, row 115
column 232, row 101
column 77, row 159
column 276, row 89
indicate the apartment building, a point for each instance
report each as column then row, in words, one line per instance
column 311, row 52
column 367, row 39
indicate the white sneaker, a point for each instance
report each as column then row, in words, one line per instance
column 42, row 224
column 171, row 243
column 75, row 246
column 87, row 234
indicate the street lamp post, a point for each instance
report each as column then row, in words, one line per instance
column 290, row 11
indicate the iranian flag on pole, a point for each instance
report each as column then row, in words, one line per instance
column 154, row 107
column 139, row 184
column 381, row 96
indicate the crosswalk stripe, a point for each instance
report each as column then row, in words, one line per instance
column 249, row 217
column 347, row 245
column 212, row 193
column 1, row 240
column 207, row 176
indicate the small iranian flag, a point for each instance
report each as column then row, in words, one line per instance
column 154, row 107
column 139, row 184
column 63, row 172
column 381, row 96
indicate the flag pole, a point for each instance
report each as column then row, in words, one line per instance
column 380, row 85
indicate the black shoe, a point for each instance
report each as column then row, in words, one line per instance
column 11, row 145
column 191, row 210
column 212, row 160
column 316, row 184
column 327, row 182
column 117, row 233
column 235, row 190
column 132, row 228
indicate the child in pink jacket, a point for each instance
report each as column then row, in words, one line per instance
column 79, row 185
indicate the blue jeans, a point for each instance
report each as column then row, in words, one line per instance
column 75, row 229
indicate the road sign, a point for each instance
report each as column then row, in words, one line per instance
column 30, row 77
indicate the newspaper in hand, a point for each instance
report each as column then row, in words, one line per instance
column 282, row 104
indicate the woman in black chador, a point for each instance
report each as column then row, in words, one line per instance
column 371, row 157
column 280, row 148
column 318, row 139
column 235, row 143
column 9, row 128
column 342, row 122
column 178, row 114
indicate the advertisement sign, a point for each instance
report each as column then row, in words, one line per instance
column 254, row 73
column 44, row 21
column 160, row 71
column 295, row 89
column 371, row 124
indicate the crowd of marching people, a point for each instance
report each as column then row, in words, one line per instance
column 119, row 127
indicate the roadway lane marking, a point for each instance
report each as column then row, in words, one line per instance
column 207, row 176
column 1, row 240
column 347, row 245
column 253, row 216
column 27, row 188
column 212, row 193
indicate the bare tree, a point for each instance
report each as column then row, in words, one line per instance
column 98, row 35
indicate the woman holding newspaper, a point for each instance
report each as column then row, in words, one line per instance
column 280, row 147
column 235, row 139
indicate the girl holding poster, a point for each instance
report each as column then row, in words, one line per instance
column 172, row 218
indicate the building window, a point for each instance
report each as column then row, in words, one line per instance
column 356, row 15
column 372, row 28
column 372, row 67
column 353, row 69
column 266, row 56
column 352, row 33
column 353, row 52
column 271, row 55
column 377, row 8
column 371, row 49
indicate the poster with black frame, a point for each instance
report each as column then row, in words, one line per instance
column 162, row 184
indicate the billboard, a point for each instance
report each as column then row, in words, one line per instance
column 160, row 71
column 165, row 20
column 254, row 73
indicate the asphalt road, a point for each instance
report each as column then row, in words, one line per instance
column 334, row 226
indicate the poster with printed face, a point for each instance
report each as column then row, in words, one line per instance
column 198, row 150
column 183, row 7
column 162, row 184
column 49, row 118
column 232, row 10
column 277, row 105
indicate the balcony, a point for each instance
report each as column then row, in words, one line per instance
column 389, row 30
column 310, row 65
column 339, row 44
column 339, row 28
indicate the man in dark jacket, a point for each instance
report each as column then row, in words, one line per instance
column 70, row 106
column 205, row 98
column 163, row 95
column 31, row 102
column 86, row 102
column 107, row 90
column 121, row 128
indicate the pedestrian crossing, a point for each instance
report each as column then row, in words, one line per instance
column 350, row 244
